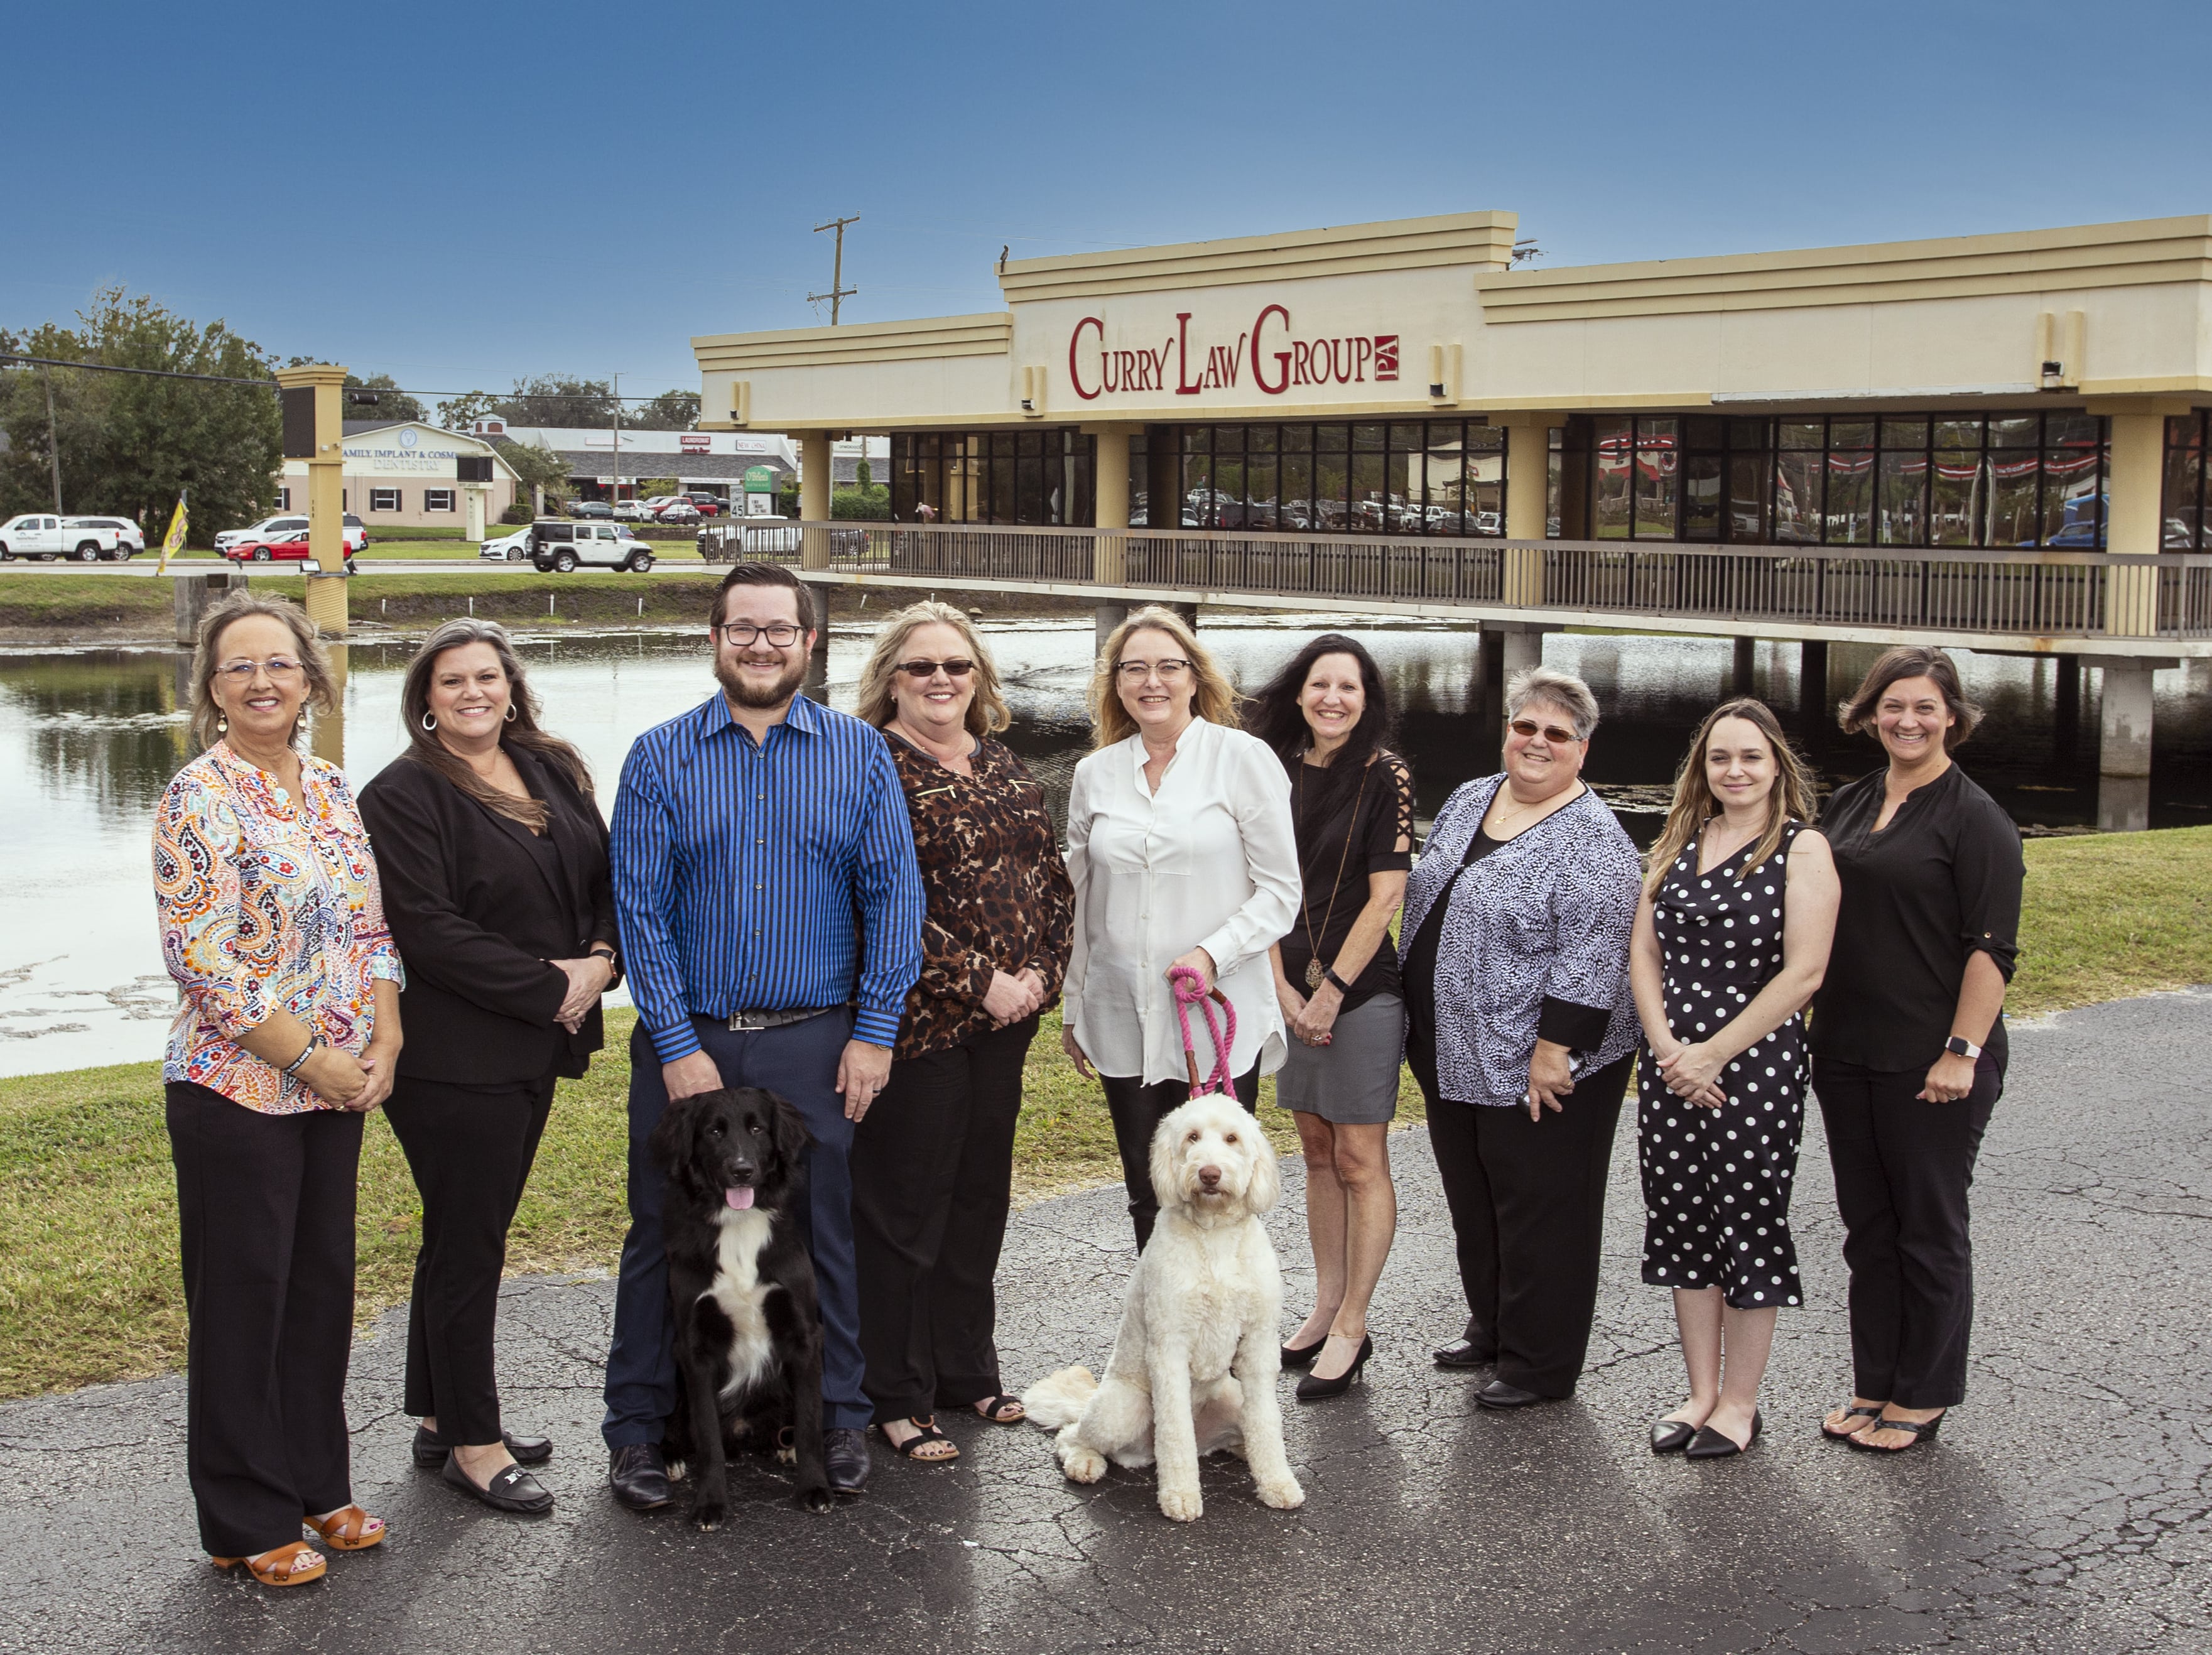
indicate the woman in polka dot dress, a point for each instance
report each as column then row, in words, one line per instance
column 1731, row 939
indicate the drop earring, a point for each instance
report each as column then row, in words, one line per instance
column 221, row 724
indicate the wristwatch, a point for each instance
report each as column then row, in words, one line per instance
column 1958, row 1046
column 606, row 952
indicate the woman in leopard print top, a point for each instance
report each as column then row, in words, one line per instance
column 933, row 1161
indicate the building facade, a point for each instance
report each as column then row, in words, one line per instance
column 706, row 462
column 414, row 475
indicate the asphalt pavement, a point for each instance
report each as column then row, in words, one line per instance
column 2064, row 1508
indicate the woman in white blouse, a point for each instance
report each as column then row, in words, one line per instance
column 1180, row 847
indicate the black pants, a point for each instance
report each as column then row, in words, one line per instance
column 264, row 1214
column 1137, row 1111
column 1902, row 1171
column 1528, row 1211
column 932, row 1175
column 470, row 1150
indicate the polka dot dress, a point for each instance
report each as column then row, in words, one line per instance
column 1716, row 1181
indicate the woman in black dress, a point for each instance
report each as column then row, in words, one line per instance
column 494, row 865
column 1731, row 939
column 1909, row 1040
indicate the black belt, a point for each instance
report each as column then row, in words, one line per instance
column 746, row 1022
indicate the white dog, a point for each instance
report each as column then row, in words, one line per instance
column 1195, row 1364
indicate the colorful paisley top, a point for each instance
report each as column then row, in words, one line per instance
column 265, row 906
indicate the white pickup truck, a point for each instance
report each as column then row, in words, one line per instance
column 87, row 539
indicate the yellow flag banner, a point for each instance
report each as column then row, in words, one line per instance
column 173, row 541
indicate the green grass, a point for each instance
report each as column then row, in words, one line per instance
column 90, row 1288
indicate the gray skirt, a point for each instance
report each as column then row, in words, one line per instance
column 1353, row 1079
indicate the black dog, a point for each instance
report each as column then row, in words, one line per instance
column 741, row 1282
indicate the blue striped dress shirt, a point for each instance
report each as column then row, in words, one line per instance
column 764, row 877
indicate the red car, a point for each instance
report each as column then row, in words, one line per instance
column 287, row 545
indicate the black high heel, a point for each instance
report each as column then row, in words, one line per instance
column 1302, row 1356
column 1313, row 1388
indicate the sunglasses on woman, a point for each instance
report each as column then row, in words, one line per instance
column 929, row 669
column 1527, row 727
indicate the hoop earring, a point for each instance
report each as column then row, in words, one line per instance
column 509, row 719
column 428, row 722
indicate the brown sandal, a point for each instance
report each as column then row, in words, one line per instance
column 348, row 1529
column 925, row 1433
column 1001, row 1410
column 286, row 1566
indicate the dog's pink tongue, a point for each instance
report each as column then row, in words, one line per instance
column 738, row 1199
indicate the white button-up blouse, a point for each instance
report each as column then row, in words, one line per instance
column 1209, row 861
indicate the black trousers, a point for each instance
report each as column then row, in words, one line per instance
column 1903, row 1168
column 1137, row 1111
column 470, row 1150
column 1528, row 1211
column 933, row 1176
column 264, row 1214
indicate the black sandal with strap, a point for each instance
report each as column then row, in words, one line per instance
column 925, row 1431
column 992, row 1409
column 1921, row 1430
column 1854, row 1411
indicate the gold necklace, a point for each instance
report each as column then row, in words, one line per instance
column 1315, row 971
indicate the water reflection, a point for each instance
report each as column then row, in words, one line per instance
column 89, row 737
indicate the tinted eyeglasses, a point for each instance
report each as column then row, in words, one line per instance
column 918, row 668
column 279, row 667
column 738, row 634
column 1526, row 727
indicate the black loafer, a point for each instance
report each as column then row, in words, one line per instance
column 638, row 1475
column 511, row 1488
column 430, row 1449
column 1711, row 1445
column 1498, row 1394
column 1671, row 1436
column 845, row 1457
column 1463, row 1353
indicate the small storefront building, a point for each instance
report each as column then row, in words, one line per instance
column 605, row 463
column 414, row 475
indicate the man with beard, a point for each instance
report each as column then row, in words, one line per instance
column 771, row 925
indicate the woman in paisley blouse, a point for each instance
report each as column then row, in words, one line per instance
column 932, row 1162
column 287, row 1033
column 1521, row 1028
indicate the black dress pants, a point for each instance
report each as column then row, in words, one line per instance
column 1137, row 1111
column 933, row 1166
column 265, row 1216
column 1528, row 1211
column 470, row 1150
column 1903, row 1168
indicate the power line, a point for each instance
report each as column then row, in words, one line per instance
column 152, row 373
column 354, row 392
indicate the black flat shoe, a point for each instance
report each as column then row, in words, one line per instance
column 511, row 1488
column 1298, row 1356
column 845, row 1457
column 1498, row 1394
column 1711, row 1445
column 430, row 1449
column 1462, row 1352
column 1671, row 1436
column 638, row 1476
column 1313, row 1388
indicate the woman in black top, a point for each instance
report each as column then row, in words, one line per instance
column 1909, row 1040
column 1336, row 977
column 494, row 864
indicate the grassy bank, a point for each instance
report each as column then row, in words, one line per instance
column 88, row 1283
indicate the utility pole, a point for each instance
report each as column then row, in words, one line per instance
column 53, row 440
column 617, row 466
column 838, row 290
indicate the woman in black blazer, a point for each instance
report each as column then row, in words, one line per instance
column 493, row 857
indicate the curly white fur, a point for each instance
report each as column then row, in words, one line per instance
column 1195, row 1364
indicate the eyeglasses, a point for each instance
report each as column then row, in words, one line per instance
column 930, row 669
column 277, row 667
column 1136, row 672
column 738, row 634
column 1527, row 727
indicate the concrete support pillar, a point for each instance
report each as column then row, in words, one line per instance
column 814, row 475
column 816, row 685
column 1739, row 671
column 194, row 592
column 2134, row 521
column 473, row 497
column 2065, row 709
column 2123, row 751
column 1110, row 476
column 326, row 598
column 1104, row 619
column 1189, row 613
column 1813, row 679
column 1527, row 473
column 327, row 734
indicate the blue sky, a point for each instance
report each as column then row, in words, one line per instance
column 457, row 195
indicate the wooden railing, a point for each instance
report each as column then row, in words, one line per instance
column 1941, row 589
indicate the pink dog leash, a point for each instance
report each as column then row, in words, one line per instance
column 1190, row 990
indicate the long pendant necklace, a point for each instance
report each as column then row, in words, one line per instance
column 1315, row 969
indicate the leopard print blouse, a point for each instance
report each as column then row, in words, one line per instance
column 997, row 890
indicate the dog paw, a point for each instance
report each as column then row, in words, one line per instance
column 1084, row 1465
column 708, row 1514
column 817, row 1500
column 1182, row 1504
column 787, row 1457
column 1285, row 1495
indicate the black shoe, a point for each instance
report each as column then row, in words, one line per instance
column 1671, row 1436
column 1498, row 1394
column 1711, row 1445
column 639, row 1474
column 1463, row 1353
column 845, row 1456
column 511, row 1489
column 1298, row 1356
column 1313, row 1387
column 430, row 1449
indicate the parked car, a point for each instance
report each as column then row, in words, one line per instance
column 591, row 509
column 130, row 538
column 508, row 549
column 285, row 545
column 560, row 547
column 709, row 505
column 628, row 511
column 356, row 535
column 651, row 504
column 678, row 510
column 87, row 539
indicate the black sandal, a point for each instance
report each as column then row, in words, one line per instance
column 992, row 1409
column 1921, row 1430
column 1854, row 1411
column 925, row 1431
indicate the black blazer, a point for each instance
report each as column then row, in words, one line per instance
column 477, row 909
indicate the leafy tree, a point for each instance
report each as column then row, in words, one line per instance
column 130, row 443
column 864, row 474
column 391, row 403
column 551, row 399
column 672, row 411
column 463, row 412
column 536, row 467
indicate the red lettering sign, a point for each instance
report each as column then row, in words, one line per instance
column 1280, row 360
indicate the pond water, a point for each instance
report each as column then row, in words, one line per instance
column 89, row 738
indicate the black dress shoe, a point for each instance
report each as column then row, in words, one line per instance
column 1498, row 1394
column 1313, row 1388
column 1298, row 1356
column 1463, row 1353
column 639, row 1474
column 1671, row 1436
column 1711, row 1445
column 845, row 1456
column 430, row 1449
column 511, row 1488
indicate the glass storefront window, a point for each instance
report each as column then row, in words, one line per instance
column 1029, row 476
column 2182, row 516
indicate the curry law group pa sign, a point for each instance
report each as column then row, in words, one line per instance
column 1270, row 355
